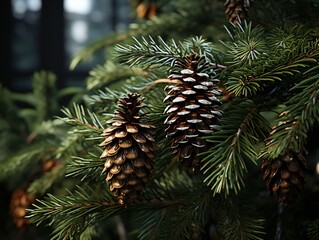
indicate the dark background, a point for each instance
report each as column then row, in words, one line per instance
column 45, row 34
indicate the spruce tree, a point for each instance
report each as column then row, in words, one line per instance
column 204, row 121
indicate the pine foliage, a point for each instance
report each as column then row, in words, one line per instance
column 234, row 144
column 268, row 74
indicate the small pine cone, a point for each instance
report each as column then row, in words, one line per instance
column 20, row 201
column 236, row 8
column 146, row 10
column 194, row 109
column 49, row 164
column 128, row 150
column 284, row 176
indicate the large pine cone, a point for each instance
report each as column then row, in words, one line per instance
column 194, row 109
column 284, row 176
column 128, row 150
column 237, row 8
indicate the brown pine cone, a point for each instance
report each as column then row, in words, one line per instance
column 128, row 150
column 194, row 108
column 284, row 176
column 237, row 8
column 20, row 201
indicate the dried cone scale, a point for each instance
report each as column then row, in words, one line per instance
column 284, row 176
column 237, row 8
column 194, row 109
column 128, row 150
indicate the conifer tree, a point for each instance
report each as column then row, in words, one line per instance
column 230, row 93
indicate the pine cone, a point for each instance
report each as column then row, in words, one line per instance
column 284, row 176
column 193, row 111
column 20, row 201
column 128, row 150
column 236, row 8
column 49, row 164
column 146, row 10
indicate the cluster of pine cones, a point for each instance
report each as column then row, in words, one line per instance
column 193, row 111
column 129, row 144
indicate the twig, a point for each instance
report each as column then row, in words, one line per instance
column 120, row 228
column 278, row 235
column 162, row 80
column 218, row 65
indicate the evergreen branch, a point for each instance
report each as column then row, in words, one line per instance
column 287, row 63
column 302, row 113
column 224, row 163
column 90, row 50
column 23, row 159
column 109, row 73
column 87, row 168
column 313, row 230
column 39, row 186
column 89, row 233
column 247, row 52
column 73, row 214
column 163, row 80
column 288, row 38
column 44, row 90
column 69, row 145
column 51, row 127
column 247, row 46
column 236, row 225
column 151, row 53
column 244, row 83
column 105, row 100
column 186, row 219
column 158, row 26
column 79, row 118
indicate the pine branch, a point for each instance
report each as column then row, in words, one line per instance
column 248, row 45
column 104, row 100
column 40, row 186
column 149, row 52
column 289, row 58
column 244, row 83
column 90, row 50
column 23, row 159
column 160, row 26
column 53, row 128
column 286, row 38
column 89, row 233
column 87, row 168
column 224, row 163
column 79, row 118
column 69, row 145
column 313, row 230
column 45, row 93
column 236, row 225
column 186, row 215
column 73, row 214
column 299, row 117
column 111, row 73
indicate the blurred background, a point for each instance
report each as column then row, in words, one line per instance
column 41, row 35
column 45, row 34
